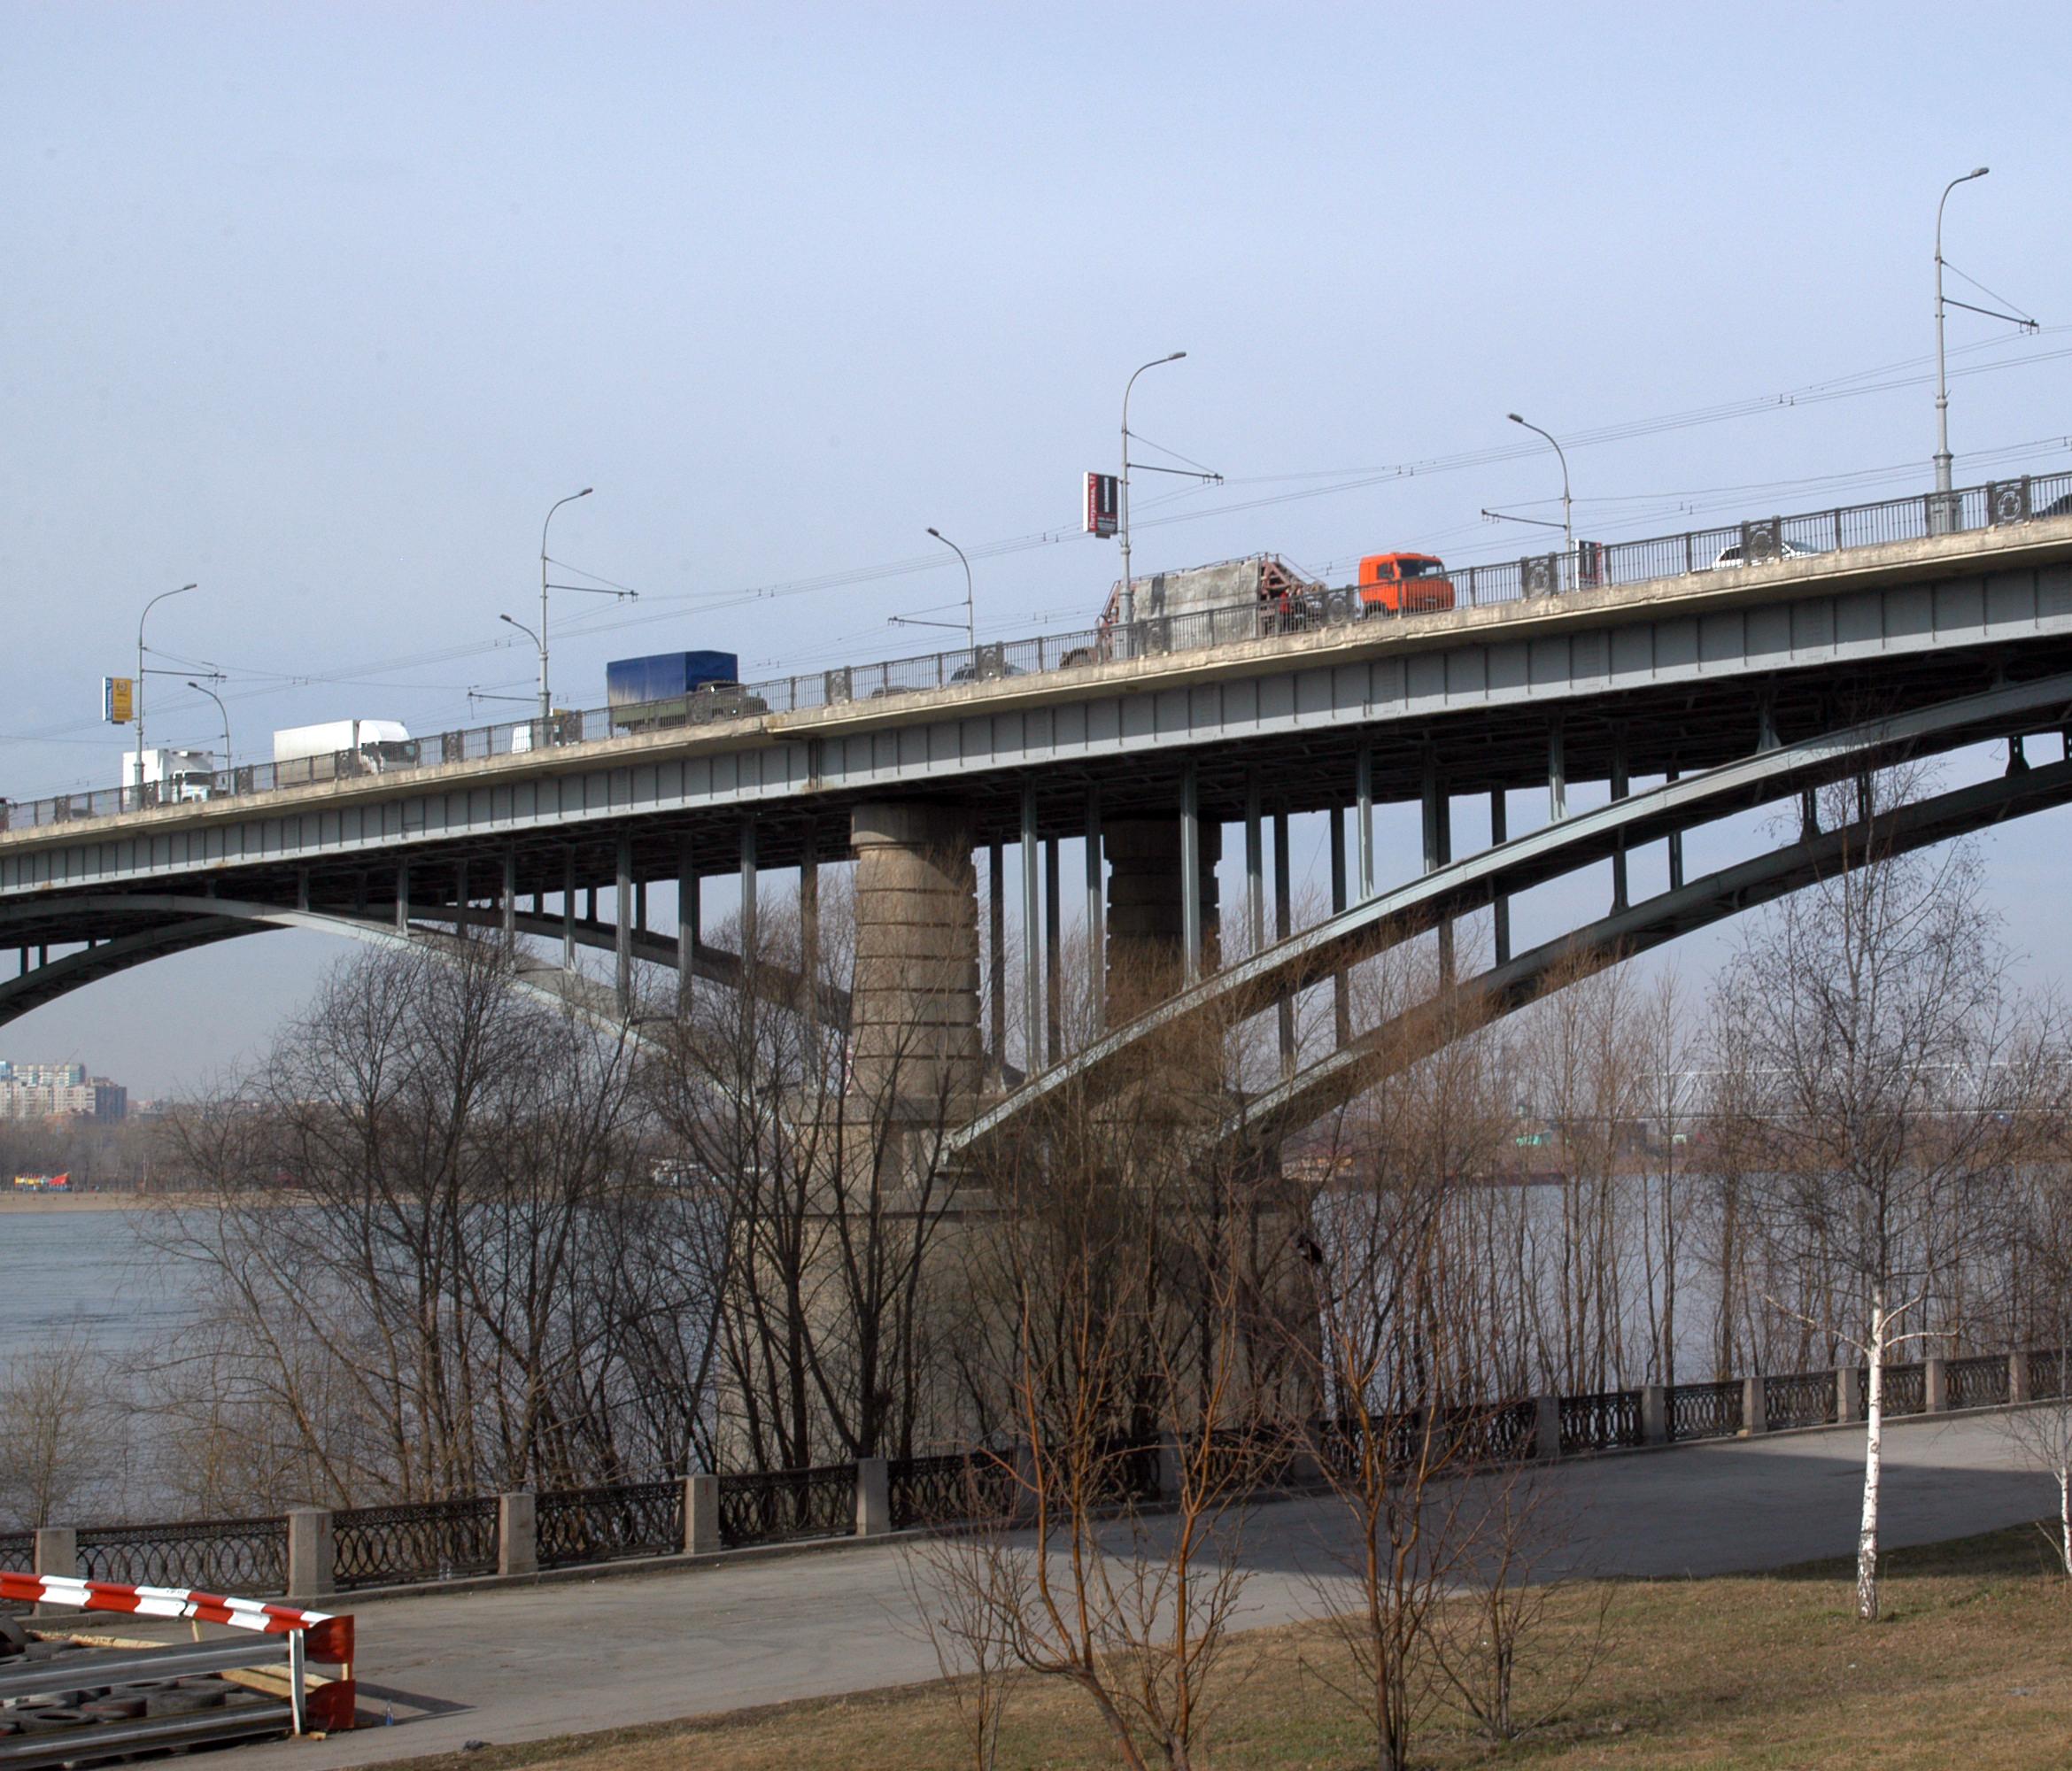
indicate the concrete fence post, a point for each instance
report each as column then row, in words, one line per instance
column 1546, row 1427
column 57, row 1552
column 1935, row 1385
column 1848, row 1394
column 1654, row 1414
column 1170, row 1474
column 309, row 1551
column 873, row 1498
column 1753, row 1419
column 2018, row 1375
column 517, row 1535
column 701, row 1524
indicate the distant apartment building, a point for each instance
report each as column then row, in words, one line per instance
column 49, row 1091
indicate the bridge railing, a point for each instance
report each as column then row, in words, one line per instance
column 1591, row 566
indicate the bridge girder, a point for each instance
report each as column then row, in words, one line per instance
column 1343, row 940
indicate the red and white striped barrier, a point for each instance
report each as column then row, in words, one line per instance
column 315, row 1635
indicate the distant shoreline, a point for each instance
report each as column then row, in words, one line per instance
column 109, row 1201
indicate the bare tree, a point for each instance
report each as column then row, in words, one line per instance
column 2041, row 1436
column 1888, row 1069
column 57, row 1439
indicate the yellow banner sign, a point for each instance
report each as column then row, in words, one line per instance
column 118, row 700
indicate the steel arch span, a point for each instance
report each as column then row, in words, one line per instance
column 1314, row 955
column 1332, row 1081
column 177, row 924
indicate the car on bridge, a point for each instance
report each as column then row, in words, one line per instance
column 1786, row 549
column 1404, row 584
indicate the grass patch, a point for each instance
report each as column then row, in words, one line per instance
column 1971, row 1666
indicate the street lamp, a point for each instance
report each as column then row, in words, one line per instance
column 1567, row 506
column 546, row 703
column 1942, row 381
column 148, row 608
column 970, row 611
column 225, row 711
column 1128, row 609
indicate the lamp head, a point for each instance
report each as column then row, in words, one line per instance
column 1176, row 356
column 187, row 587
column 937, row 533
column 1514, row 418
column 586, row 492
column 1980, row 172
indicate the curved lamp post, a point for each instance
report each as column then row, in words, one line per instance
column 148, row 608
column 546, row 703
column 1127, row 610
column 1942, row 380
column 225, row 711
column 970, row 611
column 1567, row 508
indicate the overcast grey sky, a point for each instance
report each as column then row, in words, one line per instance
column 323, row 306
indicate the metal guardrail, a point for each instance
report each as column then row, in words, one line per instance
column 1906, row 1389
column 2049, row 1371
column 1978, row 1382
column 1607, row 1421
column 1803, row 1399
column 1592, row 566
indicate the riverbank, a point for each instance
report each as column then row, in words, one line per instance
column 100, row 1201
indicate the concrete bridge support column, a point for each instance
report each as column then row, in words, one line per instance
column 1283, row 927
column 1341, row 986
column 1145, row 916
column 1500, row 907
column 914, row 1018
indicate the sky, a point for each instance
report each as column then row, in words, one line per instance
column 322, row 307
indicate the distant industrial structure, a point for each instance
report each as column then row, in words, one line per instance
column 59, row 1091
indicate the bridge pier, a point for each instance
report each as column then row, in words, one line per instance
column 914, row 1018
column 1149, row 919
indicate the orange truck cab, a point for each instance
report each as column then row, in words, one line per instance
column 1404, row 584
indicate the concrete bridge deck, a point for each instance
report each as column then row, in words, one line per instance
column 527, row 1663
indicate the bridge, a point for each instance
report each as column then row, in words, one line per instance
column 1920, row 626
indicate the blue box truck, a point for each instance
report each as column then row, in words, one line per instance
column 677, row 688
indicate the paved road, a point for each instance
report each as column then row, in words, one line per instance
column 520, row 1663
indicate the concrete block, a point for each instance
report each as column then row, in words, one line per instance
column 873, row 1498
column 1546, row 1427
column 701, row 1522
column 1654, row 1414
column 57, row 1552
column 1936, row 1383
column 1753, row 1418
column 2018, row 1375
column 1171, row 1475
column 517, row 1535
column 1848, row 1392
column 309, row 1551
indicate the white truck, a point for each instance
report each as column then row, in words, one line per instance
column 345, row 746
column 173, row 774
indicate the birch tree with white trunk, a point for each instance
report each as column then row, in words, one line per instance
column 1889, row 1067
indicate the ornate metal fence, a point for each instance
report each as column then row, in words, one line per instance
column 574, row 1526
column 2047, row 1372
column 244, row 1556
column 1798, row 1399
column 949, row 1490
column 777, row 1506
column 440, row 1540
column 1706, row 1411
column 1603, row 1422
column 18, row 1551
column 1906, row 1389
column 1975, row 1382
